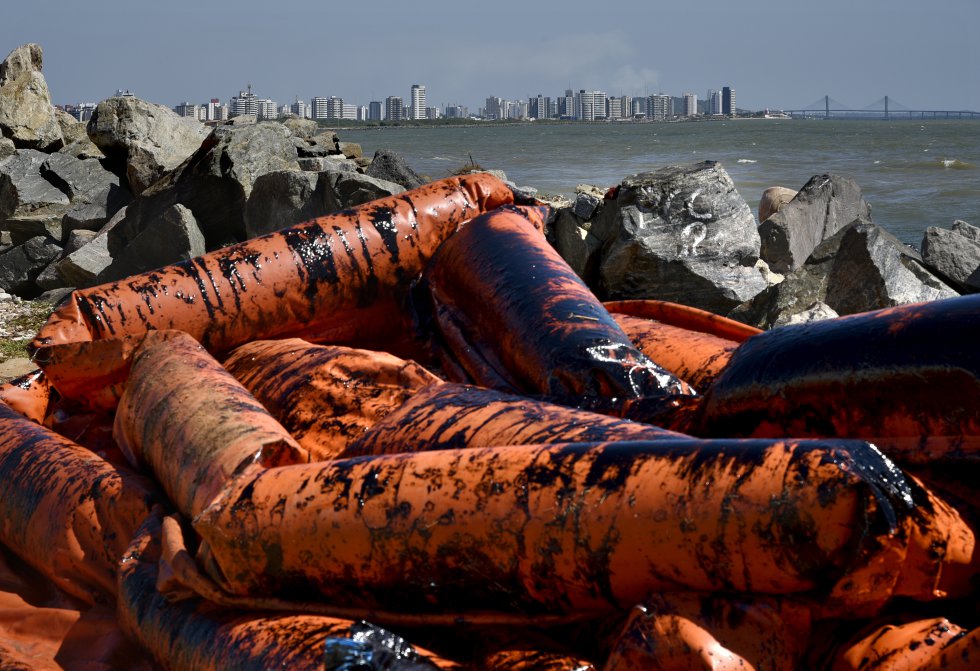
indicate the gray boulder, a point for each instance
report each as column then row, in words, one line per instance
column 95, row 209
column 307, row 148
column 814, row 312
column 174, row 237
column 327, row 163
column 391, row 167
column 81, row 179
column 304, row 128
column 953, row 255
column 574, row 243
column 585, row 205
column 797, row 291
column 681, row 234
column 7, row 147
column 26, row 113
column 286, row 197
column 967, row 230
column 350, row 149
column 77, row 142
column 349, row 189
column 20, row 265
column 80, row 267
column 143, row 140
column 873, row 269
column 23, row 228
column 214, row 183
column 24, row 191
column 823, row 206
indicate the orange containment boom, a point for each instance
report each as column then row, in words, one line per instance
column 456, row 416
column 65, row 510
column 588, row 527
column 515, row 317
column 326, row 396
column 193, row 423
column 906, row 378
column 334, row 279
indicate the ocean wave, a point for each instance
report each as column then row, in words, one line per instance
column 955, row 164
column 442, row 158
column 747, row 160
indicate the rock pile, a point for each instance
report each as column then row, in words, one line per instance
column 140, row 187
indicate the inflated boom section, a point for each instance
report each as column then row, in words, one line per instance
column 906, row 378
column 456, row 416
column 587, row 527
column 326, row 396
column 65, row 510
column 193, row 423
column 516, row 317
column 334, row 279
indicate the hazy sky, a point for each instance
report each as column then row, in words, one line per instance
column 785, row 54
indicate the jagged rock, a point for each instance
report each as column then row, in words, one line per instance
column 327, row 139
column 823, row 206
column 796, row 292
column 92, row 212
column 26, row 113
column 813, row 313
column 953, row 256
column 580, row 249
column 143, row 140
column 51, row 278
column 967, row 230
column 22, row 229
column 24, row 191
column 55, row 297
column 174, row 237
column 242, row 120
column 352, row 188
column 287, row 197
column 391, row 167
column 81, row 180
column 310, row 149
column 873, row 269
column 215, row 183
column 680, row 234
column 586, row 205
column 350, row 149
column 303, row 128
column 20, row 265
column 81, row 267
column 327, row 163
column 772, row 201
column 7, row 147
column 77, row 141
column 78, row 239
column 523, row 195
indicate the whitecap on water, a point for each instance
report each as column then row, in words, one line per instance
column 747, row 160
column 955, row 164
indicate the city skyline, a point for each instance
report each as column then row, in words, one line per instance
column 780, row 56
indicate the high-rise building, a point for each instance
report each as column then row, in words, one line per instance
column 614, row 108
column 348, row 111
column 639, row 107
column 714, row 103
column 566, row 105
column 495, row 108
column 457, row 112
column 266, row 108
column 187, row 109
column 590, row 105
column 418, row 101
column 245, row 102
column 300, row 109
column 659, row 107
column 335, row 107
column 318, row 108
column 538, row 107
column 394, row 108
column 375, row 111
column 690, row 104
column 727, row 100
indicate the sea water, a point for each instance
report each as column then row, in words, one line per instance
column 915, row 174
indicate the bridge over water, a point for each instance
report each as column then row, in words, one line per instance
column 883, row 108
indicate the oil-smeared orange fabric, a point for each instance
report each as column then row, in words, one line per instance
column 326, row 396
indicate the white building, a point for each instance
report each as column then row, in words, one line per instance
column 318, row 108
column 349, row 111
column 714, row 102
column 267, row 108
column 418, row 101
column 335, row 107
column 300, row 109
column 659, row 107
column 495, row 108
column 215, row 111
column 245, row 102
